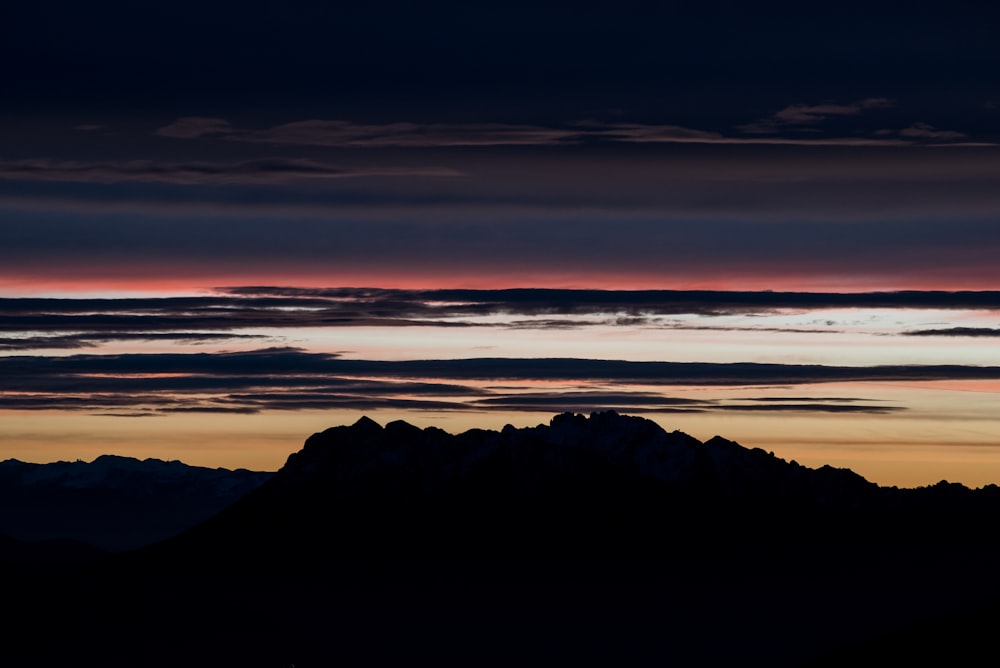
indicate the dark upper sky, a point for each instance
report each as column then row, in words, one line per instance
column 839, row 145
column 712, row 65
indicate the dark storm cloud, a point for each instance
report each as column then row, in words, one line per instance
column 270, row 170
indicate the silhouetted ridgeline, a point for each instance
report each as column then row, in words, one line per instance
column 115, row 503
column 590, row 540
column 572, row 485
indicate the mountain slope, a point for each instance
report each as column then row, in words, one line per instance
column 591, row 540
column 115, row 503
column 562, row 486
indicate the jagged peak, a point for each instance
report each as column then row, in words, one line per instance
column 560, row 419
column 630, row 442
column 365, row 422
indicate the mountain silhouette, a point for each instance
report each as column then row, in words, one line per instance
column 43, row 555
column 589, row 540
column 114, row 503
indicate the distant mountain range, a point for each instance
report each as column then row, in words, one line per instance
column 115, row 503
column 590, row 540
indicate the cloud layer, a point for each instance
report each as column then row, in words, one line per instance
column 263, row 171
column 79, row 322
column 342, row 133
column 290, row 379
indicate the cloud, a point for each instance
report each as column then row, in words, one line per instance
column 539, row 301
column 655, row 134
column 803, row 115
column 656, row 373
column 83, row 322
column 290, row 379
column 348, row 134
column 269, row 170
column 927, row 131
column 956, row 331
column 636, row 133
column 272, row 379
column 873, row 409
column 91, row 340
column 320, row 401
column 560, row 401
column 31, row 373
column 195, row 127
column 800, row 118
column 317, row 132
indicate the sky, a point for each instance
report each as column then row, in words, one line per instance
column 225, row 226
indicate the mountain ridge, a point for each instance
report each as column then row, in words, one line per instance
column 589, row 540
column 636, row 443
column 114, row 502
column 362, row 491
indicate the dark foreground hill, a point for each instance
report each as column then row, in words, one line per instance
column 115, row 503
column 589, row 541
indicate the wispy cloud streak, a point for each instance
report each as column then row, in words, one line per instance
column 285, row 378
column 263, row 171
column 956, row 331
column 68, row 323
column 809, row 115
column 340, row 133
column 318, row 132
